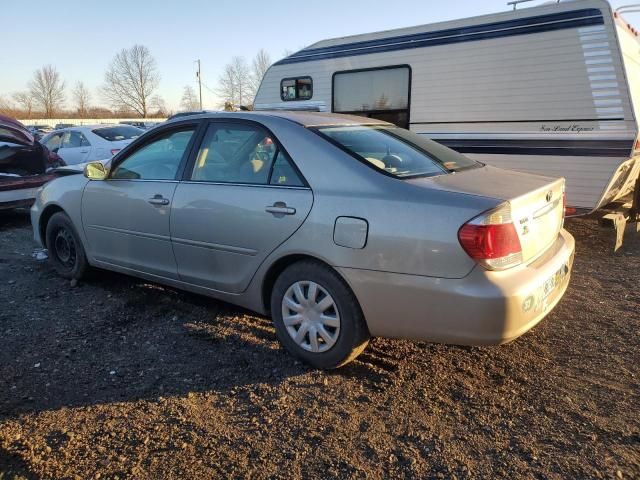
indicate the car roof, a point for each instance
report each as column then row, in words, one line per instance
column 306, row 119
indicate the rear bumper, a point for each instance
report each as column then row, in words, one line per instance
column 484, row 308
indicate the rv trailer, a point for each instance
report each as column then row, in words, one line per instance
column 552, row 89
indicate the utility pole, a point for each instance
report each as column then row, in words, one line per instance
column 199, row 83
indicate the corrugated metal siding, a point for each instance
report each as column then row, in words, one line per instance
column 538, row 76
column 545, row 77
column 564, row 74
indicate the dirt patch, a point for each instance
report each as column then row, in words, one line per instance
column 121, row 378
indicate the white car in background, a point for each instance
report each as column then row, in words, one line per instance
column 87, row 143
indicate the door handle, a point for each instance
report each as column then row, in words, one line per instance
column 280, row 208
column 84, row 151
column 158, row 200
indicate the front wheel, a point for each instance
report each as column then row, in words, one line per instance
column 317, row 317
column 66, row 252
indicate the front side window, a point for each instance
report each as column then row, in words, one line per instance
column 395, row 151
column 121, row 132
column 239, row 153
column 157, row 160
column 300, row 88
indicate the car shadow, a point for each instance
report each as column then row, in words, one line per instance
column 13, row 467
column 14, row 218
column 115, row 338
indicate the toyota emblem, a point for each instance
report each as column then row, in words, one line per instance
column 549, row 196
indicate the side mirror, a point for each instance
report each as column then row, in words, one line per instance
column 95, row 171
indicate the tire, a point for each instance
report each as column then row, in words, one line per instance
column 341, row 323
column 66, row 252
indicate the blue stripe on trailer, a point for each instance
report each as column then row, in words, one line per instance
column 508, row 28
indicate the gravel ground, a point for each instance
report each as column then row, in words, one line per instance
column 121, row 378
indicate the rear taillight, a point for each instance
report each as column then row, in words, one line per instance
column 491, row 239
column 115, row 150
column 637, row 145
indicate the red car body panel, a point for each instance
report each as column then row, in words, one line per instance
column 24, row 163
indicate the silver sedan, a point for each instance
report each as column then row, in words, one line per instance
column 339, row 227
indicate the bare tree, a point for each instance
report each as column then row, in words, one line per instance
column 47, row 90
column 6, row 107
column 81, row 98
column 24, row 101
column 259, row 66
column 131, row 80
column 234, row 85
column 158, row 104
column 227, row 87
column 190, row 101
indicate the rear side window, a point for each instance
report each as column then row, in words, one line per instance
column 121, row 132
column 239, row 153
column 283, row 172
column 300, row 88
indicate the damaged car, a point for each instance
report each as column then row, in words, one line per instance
column 25, row 164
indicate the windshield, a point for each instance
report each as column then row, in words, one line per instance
column 121, row 132
column 396, row 151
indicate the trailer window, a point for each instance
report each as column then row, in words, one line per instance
column 300, row 88
column 381, row 93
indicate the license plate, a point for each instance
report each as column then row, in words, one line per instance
column 552, row 282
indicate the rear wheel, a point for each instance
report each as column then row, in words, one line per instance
column 66, row 252
column 317, row 317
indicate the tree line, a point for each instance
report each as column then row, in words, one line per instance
column 129, row 89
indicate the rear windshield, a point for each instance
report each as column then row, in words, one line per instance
column 396, row 151
column 121, row 132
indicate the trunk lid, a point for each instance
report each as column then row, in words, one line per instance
column 537, row 207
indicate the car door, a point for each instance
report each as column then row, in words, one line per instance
column 241, row 196
column 126, row 217
column 74, row 147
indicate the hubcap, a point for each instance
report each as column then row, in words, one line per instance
column 65, row 248
column 311, row 317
